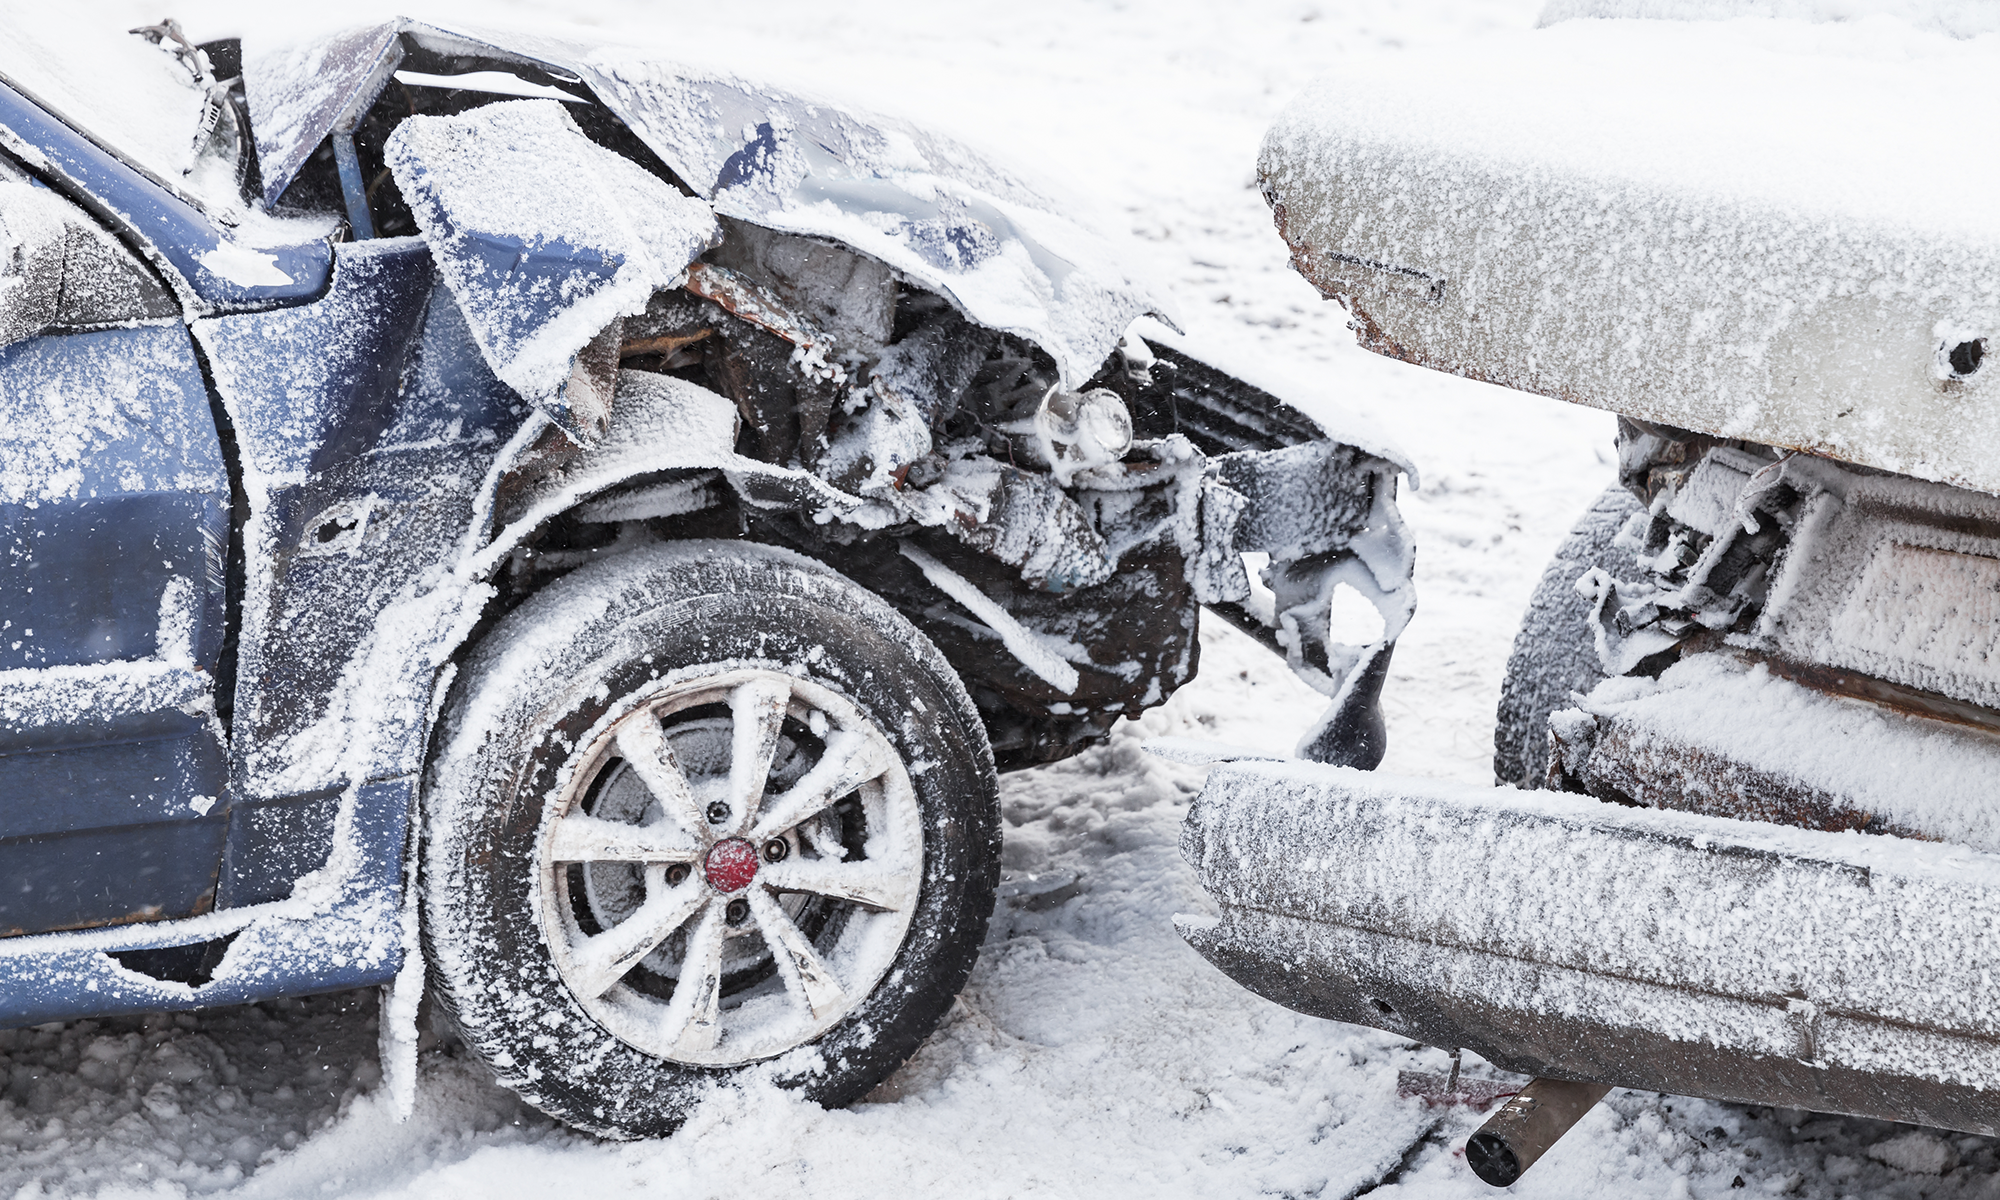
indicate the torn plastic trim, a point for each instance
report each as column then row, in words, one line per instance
column 326, row 82
column 1326, row 514
column 1307, row 404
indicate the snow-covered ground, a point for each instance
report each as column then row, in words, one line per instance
column 1093, row 1054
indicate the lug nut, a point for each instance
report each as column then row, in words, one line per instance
column 737, row 912
column 776, row 849
column 677, row 874
column 718, row 812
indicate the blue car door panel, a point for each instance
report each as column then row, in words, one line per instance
column 361, row 469
column 114, row 524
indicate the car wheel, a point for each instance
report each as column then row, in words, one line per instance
column 701, row 811
column 1556, row 651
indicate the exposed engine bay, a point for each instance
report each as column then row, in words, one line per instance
column 1052, row 527
column 1048, row 540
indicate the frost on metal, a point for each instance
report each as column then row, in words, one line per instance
column 1807, row 758
column 544, row 236
column 642, row 307
column 1554, row 934
column 934, row 211
column 1810, row 586
column 118, row 411
column 1788, row 245
column 1790, row 556
column 1720, row 230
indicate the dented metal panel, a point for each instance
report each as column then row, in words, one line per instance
column 933, row 210
column 544, row 237
column 1556, row 935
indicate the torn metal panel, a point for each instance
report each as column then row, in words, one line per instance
column 1559, row 936
column 545, row 238
column 300, row 93
column 744, row 297
column 934, row 211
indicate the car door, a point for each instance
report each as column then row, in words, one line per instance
column 114, row 526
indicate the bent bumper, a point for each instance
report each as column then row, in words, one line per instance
column 1557, row 935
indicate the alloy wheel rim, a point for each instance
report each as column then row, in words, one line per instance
column 712, row 906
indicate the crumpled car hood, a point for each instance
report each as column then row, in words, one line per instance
column 544, row 236
column 929, row 208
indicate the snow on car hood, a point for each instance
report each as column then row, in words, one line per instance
column 933, row 210
column 544, row 236
column 1763, row 229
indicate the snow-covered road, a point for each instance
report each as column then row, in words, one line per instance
column 1093, row 1054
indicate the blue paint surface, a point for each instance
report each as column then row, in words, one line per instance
column 111, row 545
column 180, row 233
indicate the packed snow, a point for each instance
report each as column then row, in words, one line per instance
column 1093, row 1053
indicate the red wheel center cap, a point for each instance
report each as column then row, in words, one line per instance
column 730, row 865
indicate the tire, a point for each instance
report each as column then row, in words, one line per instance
column 1556, row 651
column 568, row 885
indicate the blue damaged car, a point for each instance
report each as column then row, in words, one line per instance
column 578, row 535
